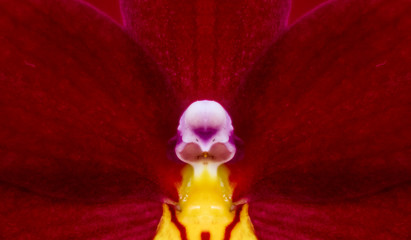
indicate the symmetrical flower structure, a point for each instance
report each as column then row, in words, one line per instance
column 87, row 108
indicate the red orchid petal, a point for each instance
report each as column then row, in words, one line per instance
column 301, row 7
column 205, row 46
column 331, row 114
column 28, row 216
column 83, row 109
column 109, row 7
column 331, row 126
column 386, row 215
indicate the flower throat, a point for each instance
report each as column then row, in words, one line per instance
column 205, row 210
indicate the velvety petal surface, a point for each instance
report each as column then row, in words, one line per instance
column 205, row 46
column 25, row 215
column 381, row 216
column 326, row 121
column 301, row 7
column 84, row 119
column 109, row 7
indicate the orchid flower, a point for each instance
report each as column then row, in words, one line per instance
column 295, row 131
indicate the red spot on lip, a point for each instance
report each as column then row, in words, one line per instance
column 205, row 236
column 180, row 227
column 231, row 226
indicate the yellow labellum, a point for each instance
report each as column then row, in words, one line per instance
column 205, row 207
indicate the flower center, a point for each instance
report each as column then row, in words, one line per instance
column 205, row 137
column 205, row 209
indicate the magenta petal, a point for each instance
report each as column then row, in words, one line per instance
column 24, row 215
column 331, row 116
column 205, row 46
column 83, row 110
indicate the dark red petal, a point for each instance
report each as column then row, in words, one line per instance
column 28, row 216
column 382, row 216
column 301, row 7
column 109, row 7
column 84, row 112
column 327, row 111
column 205, row 46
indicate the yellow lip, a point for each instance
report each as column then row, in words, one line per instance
column 205, row 207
